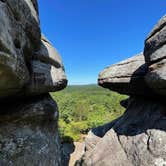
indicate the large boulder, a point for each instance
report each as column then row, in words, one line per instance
column 136, row 138
column 29, row 68
column 29, row 132
column 47, row 70
column 13, row 40
column 28, row 62
column 155, row 44
column 126, row 77
column 155, row 56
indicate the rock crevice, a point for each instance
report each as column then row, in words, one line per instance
column 138, row 137
column 30, row 68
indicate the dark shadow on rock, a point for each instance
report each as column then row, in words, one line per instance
column 137, row 85
column 101, row 130
column 141, row 115
column 143, row 112
column 67, row 149
column 124, row 103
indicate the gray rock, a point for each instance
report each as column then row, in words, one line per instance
column 126, row 77
column 155, row 56
column 138, row 138
column 29, row 66
column 161, row 23
column 23, row 52
column 47, row 70
column 29, row 132
column 14, row 73
column 26, row 13
column 155, row 44
column 156, row 77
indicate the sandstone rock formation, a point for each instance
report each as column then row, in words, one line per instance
column 155, row 57
column 126, row 77
column 138, row 137
column 29, row 68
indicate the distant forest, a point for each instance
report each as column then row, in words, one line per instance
column 84, row 107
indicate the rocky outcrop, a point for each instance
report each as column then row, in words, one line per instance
column 155, row 43
column 30, row 67
column 47, row 70
column 29, row 134
column 155, row 56
column 138, row 137
column 126, row 77
column 27, row 60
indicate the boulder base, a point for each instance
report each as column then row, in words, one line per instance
column 29, row 133
column 136, row 138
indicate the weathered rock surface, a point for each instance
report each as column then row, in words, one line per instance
column 22, row 48
column 126, row 77
column 155, row 56
column 135, row 76
column 29, row 68
column 29, row 134
column 156, row 77
column 13, row 40
column 47, row 70
column 136, row 138
column 155, row 44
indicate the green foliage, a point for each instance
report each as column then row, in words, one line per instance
column 85, row 107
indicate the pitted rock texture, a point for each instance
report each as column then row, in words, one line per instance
column 155, row 44
column 126, row 77
column 156, row 77
column 47, row 70
column 136, row 138
column 30, row 67
column 155, row 56
column 29, row 133
column 20, row 41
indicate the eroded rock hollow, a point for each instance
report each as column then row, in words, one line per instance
column 30, row 67
column 138, row 137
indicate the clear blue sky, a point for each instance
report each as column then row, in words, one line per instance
column 93, row 34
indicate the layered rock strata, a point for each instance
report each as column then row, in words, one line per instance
column 30, row 67
column 138, row 137
column 126, row 77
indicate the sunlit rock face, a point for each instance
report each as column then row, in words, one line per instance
column 47, row 70
column 138, row 137
column 155, row 56
column 30, row 67
column 27, row 60
column 126, row 77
